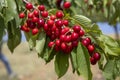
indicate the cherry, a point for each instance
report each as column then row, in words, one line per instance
column 64, row 30
column 44, row 14
column 63, row 46
column 91, row 48
column 50, row 23
column 74, row 36
column 76, row 28
column 24, row 28
column 30, row 15
column 59, row 14
column 53, row 28
column 52, row 17
column 59, row 23
column 65, row 22
column 29, row 6
column 81, row 33
column 67, row 5
column 96, row 56
column 35, row 19
column 50, row 44
column 85, row 42
column 88, row 40
column 22, row 15
column 68, row 38
column 45, row 27
column 57, row 42
column 75, row 43
column 41, row 7
column 36, row 12
column 40, row 22
column 62, row 38
column 93, row 61
column 35, row 31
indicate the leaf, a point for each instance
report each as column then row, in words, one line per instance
column 73, row 57
column 2, row 27
column 14, row 35
column 52, row 11
column 82, row 20
column 3, row 3
column 83, row 62
column 40, row 43
column 108, row 70
column 109, row 45
column 61, row 64
column 10, row 11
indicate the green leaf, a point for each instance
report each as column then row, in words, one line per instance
column 10, row 11
column 82, row 20
column 108, row 70
column 73, row 57
column 40, row 43
column 2, row 27
column 61, row 63
column 3, row 3
column 109, row 45
column 83, row 62
column 14, row 35
column 52, row 11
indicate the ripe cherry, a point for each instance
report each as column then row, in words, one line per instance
column 75, row 43
column 74, row 36
column 57, row 42
column 64, row 30
column 50, row 23
column 85, row 42
column 52, row 17
column 22, row 15
column 93, row 61
column 40, row 22
column 81, row 33
column 67, row 5
column 65, row 22
column 45, row 27
column 41, row 7
column 35, row 19
column 59, row 14
column 91, row 48
column 35, row 31
column 96, row 56
column 36, row 12
column 51, row 44
column 30, row 15
column 44, row 14
column 62, row 38
column 76, row 28
column 59, row 23
column 63, row 46
column 68, row 38
column 88, row 40
column 29, row 6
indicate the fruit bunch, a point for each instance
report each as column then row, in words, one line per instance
column 63, row 37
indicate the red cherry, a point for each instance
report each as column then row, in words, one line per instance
column 44, row 14
column 85, row 42
column 50, row 23
column 50, row 44
column 75, row 43
column 35, row 19
column 59, row 14
column 41, row 7
column 52, row 37
column 63, row 46
column 53, row 28
column 74, row 36
column 67, row 5
column 40, row 22
column 45, row 27
column 22, row 15
column 93, row 61
column 30, row 15
column 65, row 22
column 64, row 30
column 62, row 38
column 36, row 12
column 81, row 33
column 57, row 42
column 91, row 48
column 68, row 38
column 59, row 23
column 35, row 31
column 96, row 56
column 52, row 17
column 29, row 6
column 76, row 28
column 88, row 40
column 24, row 28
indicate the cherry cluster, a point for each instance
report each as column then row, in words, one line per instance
column 63, row 37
